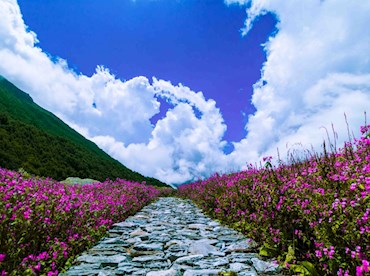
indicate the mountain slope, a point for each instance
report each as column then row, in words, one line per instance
column 39, row 142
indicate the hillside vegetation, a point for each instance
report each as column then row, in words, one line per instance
column 37, row 141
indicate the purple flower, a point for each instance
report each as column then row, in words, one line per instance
column 318, row 253
column 359, row 271
column 37, row 267
column 365, row 265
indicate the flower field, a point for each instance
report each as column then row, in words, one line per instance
column 312, row 215
column 45, row 224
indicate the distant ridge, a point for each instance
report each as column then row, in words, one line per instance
column 36, row 140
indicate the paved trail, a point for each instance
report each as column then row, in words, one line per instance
column 171, row 237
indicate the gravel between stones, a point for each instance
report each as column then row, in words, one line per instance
column 172, row 237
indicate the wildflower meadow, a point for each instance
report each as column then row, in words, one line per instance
column 312, row 214
column 44, row 224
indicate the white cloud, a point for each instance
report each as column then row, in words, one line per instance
column 317, row 69
column 182, row 146
column 116, row 114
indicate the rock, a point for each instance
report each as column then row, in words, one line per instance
column 169, row 272
column 202, row 272
column 125, row 224
column 240, row 246
column 190, row 234
column 135, row 253
column 134, row 240
column 204, row 248
column 110, row 246
column 212, row 263
column 103, row 260
column 173, row 242
column 113, row 241
column 178, row 248
column 137, row 221
column 189, row 259
column 149, row 246
column 140, row 272
column 157, row 265
column 206, row 234
column 141, row 217
column 197, row 226
column 230, row 238
column 172, row 256
column 265, row 267
column 237, row 267
column 248, row 273
column 151, row 228
column 163, row 238
column 148, row 258
column 138, row 233
column 128, row 268
column 210, row 241
column 242, row 257
column 213, row 224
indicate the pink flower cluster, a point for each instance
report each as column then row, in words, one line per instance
column 44, row 224
column 319, row 206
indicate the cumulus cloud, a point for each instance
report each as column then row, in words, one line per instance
column 116, row 114
column 182, row 145
column 317, row 69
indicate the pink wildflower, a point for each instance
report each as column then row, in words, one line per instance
column 365, row 266
column 37, row 267
column 359, row 271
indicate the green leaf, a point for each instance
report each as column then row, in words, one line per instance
column 304, row 269
column 267, row 251
column 28, row 272
column 310, row 267
column 300, row 269
column 290, row 256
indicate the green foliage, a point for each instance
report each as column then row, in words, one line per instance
column 268, row 251
column 227, row 273
column 304, row 269
column 35, row 140
column 290, row 256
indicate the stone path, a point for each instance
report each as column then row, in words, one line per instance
column 172, row 237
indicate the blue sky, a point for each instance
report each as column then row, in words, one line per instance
column 196, row 43
column 181, row 89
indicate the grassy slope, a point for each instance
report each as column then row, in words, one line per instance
column 31, row 137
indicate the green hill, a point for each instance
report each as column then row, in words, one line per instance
column 39, row 142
